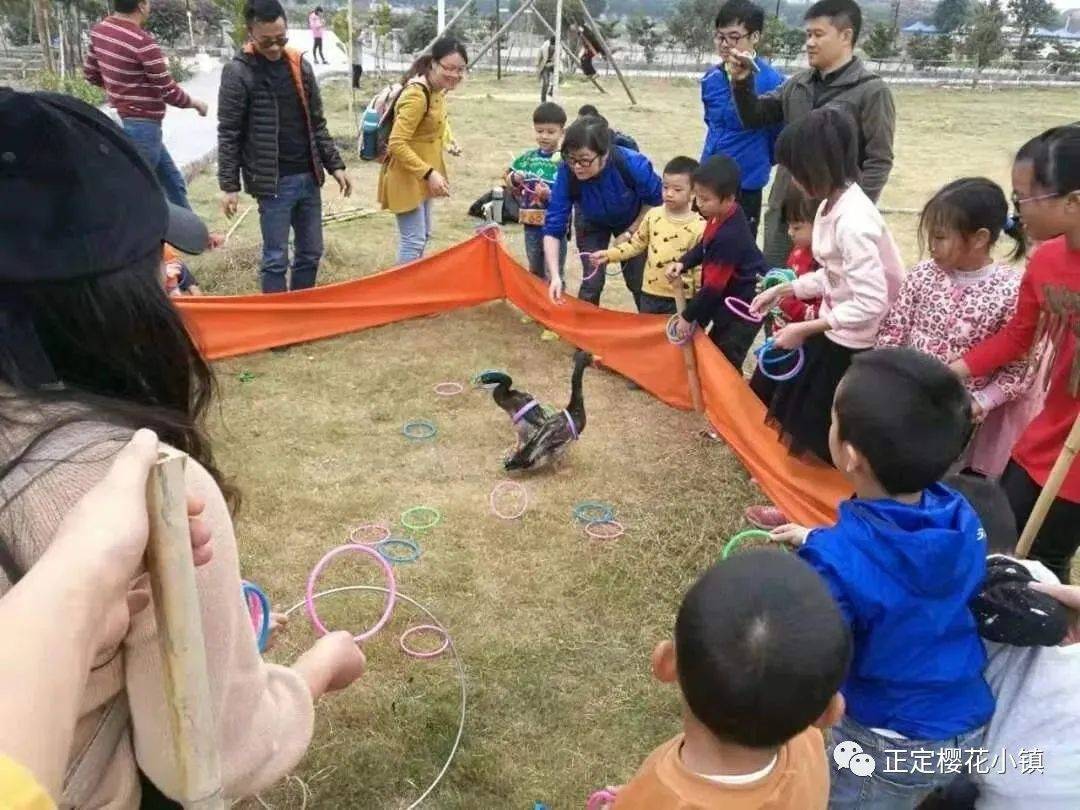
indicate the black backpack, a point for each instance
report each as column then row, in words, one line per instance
column 618, row 161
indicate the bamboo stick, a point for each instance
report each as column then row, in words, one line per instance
column 689, row 360
column 1050, row 490
column 180, row 637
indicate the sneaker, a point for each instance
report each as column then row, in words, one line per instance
column 766, row 518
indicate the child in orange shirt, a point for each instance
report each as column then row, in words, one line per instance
column 177, row 278
column 759, row 653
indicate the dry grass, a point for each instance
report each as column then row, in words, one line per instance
column 555, row 631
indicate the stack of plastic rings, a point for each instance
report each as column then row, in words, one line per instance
column 449, row 389
column 411, row 553
column 506, row 490
column 425, row 628
column 476, row 377
column 368, row 534
column 742, row 537
column 778, row 275
column 765, row 359
column 391, row 589
column 671, row 336
column 600, row 800
column 433, row 518
column 593, row 512
column 259, row 608
column 419, row 429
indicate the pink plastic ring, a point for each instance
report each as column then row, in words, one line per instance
column 409, row 651
column 742, row 309
column 505, row 487
column 361, row 535
column 449, row 389
column 600, row 799
column 391, row 589
column 618, row 530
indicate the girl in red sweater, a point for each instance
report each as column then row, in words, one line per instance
column 1046, row 194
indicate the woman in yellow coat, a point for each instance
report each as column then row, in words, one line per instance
column 414, row 172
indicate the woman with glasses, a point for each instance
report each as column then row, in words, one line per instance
column 414, row 172
column 613, row 188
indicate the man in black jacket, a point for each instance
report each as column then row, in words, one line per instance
column 271, row 131
column 836, row 77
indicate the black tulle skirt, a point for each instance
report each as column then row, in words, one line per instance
column 800, row 409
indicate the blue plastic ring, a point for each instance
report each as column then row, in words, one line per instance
column 251, row 589
column 602, row 514
column 412, row 555
column 428, row 427
column 767, row 347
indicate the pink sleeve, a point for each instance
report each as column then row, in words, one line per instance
column 265, row 712
column 809, row 286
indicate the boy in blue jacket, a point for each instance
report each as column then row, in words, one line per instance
column 739, row 26
column 905, row 557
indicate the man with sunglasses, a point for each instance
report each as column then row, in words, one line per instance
column 739, row 25
column 273, row 135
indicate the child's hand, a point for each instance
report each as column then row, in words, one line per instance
column 279, row 622
column 674, row 270
column 683, row 328
column 332, row 663
column 542, row 192
column 960, row 369
column 790, row 533
column 978, row 412
column 514, row 178
column 791, row 336
column 1069, row 596
column 765, row 301
column 598, row 258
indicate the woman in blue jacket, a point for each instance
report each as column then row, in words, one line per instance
column 738, row 26
column 613, row 188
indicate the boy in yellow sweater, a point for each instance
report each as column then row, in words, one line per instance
column 666, row 233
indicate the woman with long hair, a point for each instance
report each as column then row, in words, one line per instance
column 414, row 172
column 91, row 350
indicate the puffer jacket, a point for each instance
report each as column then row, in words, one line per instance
column 248, row 125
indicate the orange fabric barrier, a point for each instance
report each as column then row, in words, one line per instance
column 480, row 270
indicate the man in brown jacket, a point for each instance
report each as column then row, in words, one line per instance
column 836, row 76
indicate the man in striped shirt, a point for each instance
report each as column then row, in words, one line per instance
column 126, row 61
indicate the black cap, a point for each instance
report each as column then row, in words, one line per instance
column 76, row 199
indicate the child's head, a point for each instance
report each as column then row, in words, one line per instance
column 962, row 222
column 716, row 185
column 832, row 29
column 549, row 121
column 679, row 183
column 589, row 111
column 738, row 25
column 799, row 212
column 586, row 145
column 760, row 650
column 992, row 506
column 900, row 419
column 821, row 150
column 1046, row 183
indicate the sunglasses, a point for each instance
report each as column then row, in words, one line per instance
column 281, row 42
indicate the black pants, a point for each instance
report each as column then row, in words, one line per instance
column 649, row 304
column 591, row 238
column 1059, row 537
column 357, row 75
column 546, row 76
column 317, row 51
column 751, row 206
column 734, row 337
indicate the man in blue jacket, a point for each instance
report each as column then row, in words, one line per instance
column 903, row 561
column 739, row 24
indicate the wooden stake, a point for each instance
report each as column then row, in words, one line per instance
column 1050, row 490
column 180, row 636
column 688, row 351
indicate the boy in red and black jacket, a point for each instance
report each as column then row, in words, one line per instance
column 731, row 263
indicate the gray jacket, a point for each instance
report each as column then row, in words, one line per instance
column 862, row 93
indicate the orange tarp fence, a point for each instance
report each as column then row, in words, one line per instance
column 480, row 270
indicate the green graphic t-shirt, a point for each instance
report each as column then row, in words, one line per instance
column 535, row 165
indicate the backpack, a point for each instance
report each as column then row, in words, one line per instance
column 384, row 105
column 618, row 162
column 624, row 140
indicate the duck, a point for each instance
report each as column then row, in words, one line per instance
column 526, row 412
column 552, row 439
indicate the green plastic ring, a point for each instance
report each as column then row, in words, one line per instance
column 436, row 516
column 738, row 540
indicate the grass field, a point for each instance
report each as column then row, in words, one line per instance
column 554, row 631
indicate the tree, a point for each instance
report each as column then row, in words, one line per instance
column 985, row 42
column 781, row 40
column 609, row 29
column 168, row 20
column 1065, row 59
column 1030, row 14
column 881, row 43
column 929, row 51
column 572, row 13
column 642, row 31
column 691, row 26
column 951, row 15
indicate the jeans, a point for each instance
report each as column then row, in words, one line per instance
column 750, row 201
column 146, row 135
column 900, row 779
column 414, row 232
column 591, row 238
column 317, row 51
column 1059, row 535
column 534, row 249
column 298, row 205
column 734, row 337
column 656, row 305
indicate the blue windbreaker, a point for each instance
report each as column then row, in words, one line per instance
column 751, row 149
column 903, row 576
column 605, row 200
